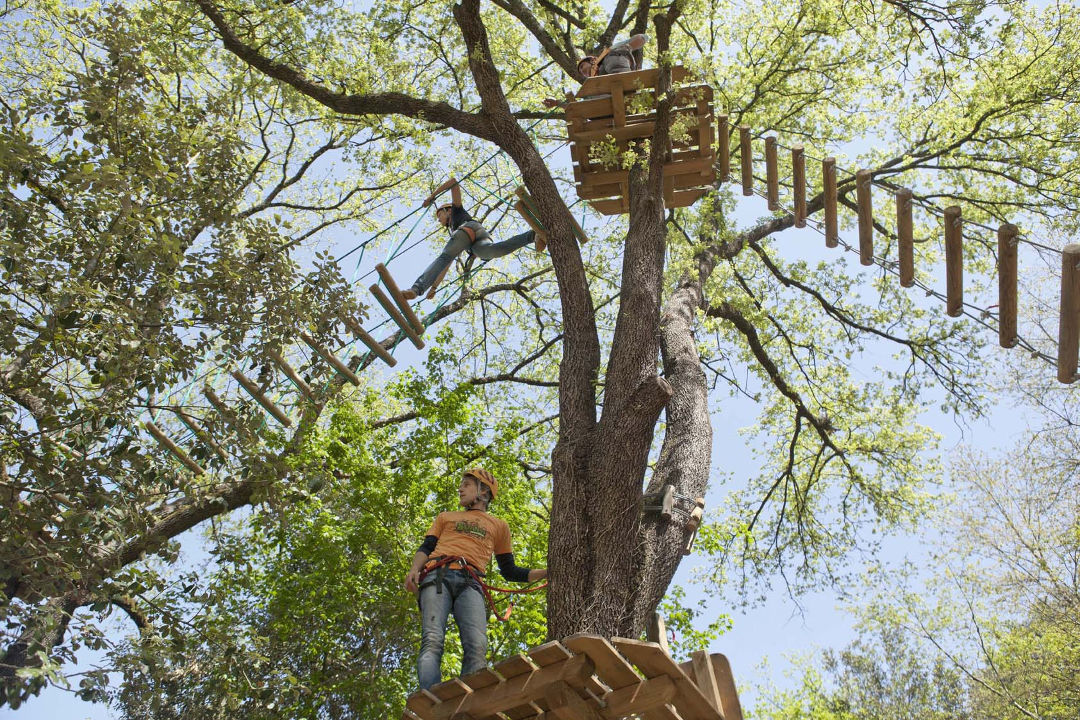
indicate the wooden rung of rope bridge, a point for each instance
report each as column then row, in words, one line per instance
column 587, row 677
column 529, row 210
column 607, row 110
column 952, row 237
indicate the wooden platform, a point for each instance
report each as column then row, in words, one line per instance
column 586, row 677
column 621, row 107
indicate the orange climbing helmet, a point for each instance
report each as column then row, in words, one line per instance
column 483, row 477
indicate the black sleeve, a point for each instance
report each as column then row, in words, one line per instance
column 428, row 546
column 509, row 570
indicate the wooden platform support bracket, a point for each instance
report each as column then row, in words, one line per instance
column 954, row 262
column 290, row 373
column 363, row 336
column 396, row 316
column 905, row 237
column 329, row 357
column 1008, row 241
column 266, row 403
column 828, row 184
column 173, row 448
column 863, row 201
column 402, row 303
column 1069, row 327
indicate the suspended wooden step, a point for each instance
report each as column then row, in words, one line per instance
column 329, row 357
column 402, row 303
column 620, row 108
column 200, row 432
column 226, row 412
column 954, row 262
column 290, row 373
column 267, row 403
column 363, row 336
column 529, row 210
column 396, row 316
column 173, row 448
column 1007, row 280
column 1069, row 328
column 587, row 677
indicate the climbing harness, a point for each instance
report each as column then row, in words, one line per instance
column 441, row 564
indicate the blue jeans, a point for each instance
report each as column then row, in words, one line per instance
column 485, row 249
column 460, row 596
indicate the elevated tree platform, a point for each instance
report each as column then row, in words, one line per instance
column 586, row 677
column 614, row 112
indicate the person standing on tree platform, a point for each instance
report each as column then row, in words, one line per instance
column 619, row 58
column 465, row 234
column 462, row 539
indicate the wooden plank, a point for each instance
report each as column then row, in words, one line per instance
column 402, row 303
column 514, row 665
column 329, row 357
column 828, row 182
column 1007, row 275
column 638, row 79
column 905, row 237
column 608, row 207
column 746, row 157
column 725, row 680
column 611, row 667
column 374, row 345
column 630, row 132
column 549, row 654
column 639, row 698
column 396, row 316
column 451, row 689
column 705, row 679
column 421, row 704
column 798, row 181
column 482, row 678
column 518, row 690
column 685, row 198
column 173, row 448
column 772, row 174
column 653, row 662
column 724, row 150
column 866, row 217
column 267, row 403
column 226, row 412
column 566, row 704
column 298, row 381
column 656, row 630
column 618, row 106
column 200, row 432
column 1069, row 323
column 954, row 262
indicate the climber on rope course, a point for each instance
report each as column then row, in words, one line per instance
column 452, row 580
column 465, row 234
column 618, row 58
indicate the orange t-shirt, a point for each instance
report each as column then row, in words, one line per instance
column 471, row 534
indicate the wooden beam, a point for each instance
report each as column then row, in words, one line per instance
column 724, row 150
column 564, row 703
column 954, row 262
column 866, row 217
column 728, row 693
column 1007, row 276
column 828, row 183
column 396, row 316
column 905, row 237
column 1069, row 327
column 298, row 381
column 772, row 173
column 705, row 679
column 374, row 345
column 173, row 448
column 200, row 432
column 746, row 156
column 656, row 630
column 639, row 698
column 329, row 357
column 798, row 178
column 402, row 303
column 266, row 402
column 226, row 412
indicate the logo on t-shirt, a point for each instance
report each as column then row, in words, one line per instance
column 470, row 528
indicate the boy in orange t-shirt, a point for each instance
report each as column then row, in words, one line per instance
column 470, row 536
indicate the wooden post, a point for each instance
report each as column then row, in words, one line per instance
column 173, row 448
column 329, row 357
column 1007, row 272
column 866, row 217
column 772, row 174
column 725, row 147
column 226, row 412
column 705, row 678
column 954, row 262
column 200, row 432
column 656, row 632
column 402, row 303
column 1069, row 328
column 905, row 237
column 293, row 375
column 746, row 153
column 828, row 183
column 266, row 402
column 396, row 316
column 373, row 344
column 798, row 178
